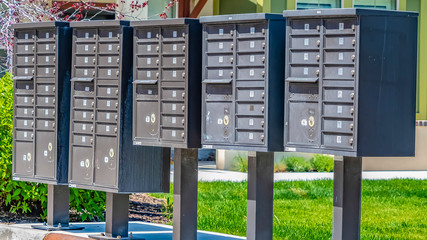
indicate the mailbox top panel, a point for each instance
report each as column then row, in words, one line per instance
column 99, row 23
column 39, row 25
column 163, row 22
column 241, row 17
column 338, row 12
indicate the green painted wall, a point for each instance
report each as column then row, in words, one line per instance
column 237, row 6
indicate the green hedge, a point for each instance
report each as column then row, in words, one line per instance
column 26, row 197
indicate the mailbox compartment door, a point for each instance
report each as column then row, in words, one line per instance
column 24, row 158
column 218, row 122
column 81, row 169
column 303, row 123
column 45, row 154
column 147, row 120
column 106, row 161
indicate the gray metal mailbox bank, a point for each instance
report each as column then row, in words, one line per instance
column 102, row 155
column 350, row 82
column 167, row 84
column 242, row 90
column 41, row 68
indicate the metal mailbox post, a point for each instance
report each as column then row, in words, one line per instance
column 41, row 67
column 350, row 91
column 102, row 156
column 167, row 105
column 242, row 92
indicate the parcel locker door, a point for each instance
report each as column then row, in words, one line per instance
column 81, row 165
column 303, row 123
column 24, row 158
column 147, row 120
column 45, row 154
column 218, row 125
column 106, row 161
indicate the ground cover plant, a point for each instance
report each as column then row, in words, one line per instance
column 391, row 209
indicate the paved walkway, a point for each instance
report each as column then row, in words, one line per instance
column 147, row 231
column 209, row 173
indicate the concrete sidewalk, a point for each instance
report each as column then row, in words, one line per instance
column 209, row 173
column 147, row 231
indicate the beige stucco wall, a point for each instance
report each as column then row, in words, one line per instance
column 419, row 162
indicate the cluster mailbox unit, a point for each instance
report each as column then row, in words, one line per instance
column 41, row 102
column 242, row 89
column 350, row 82
column 102, row 156
column 167, row 85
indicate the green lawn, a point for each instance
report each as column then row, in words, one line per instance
column 391, row 209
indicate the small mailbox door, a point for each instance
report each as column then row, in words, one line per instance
column 45, row 154
column 303, row 123
column 218, row 122
column 24, row 158
column 106, row 161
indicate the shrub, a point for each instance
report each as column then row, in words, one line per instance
column 297, row 164
column 322, row 163
column 25, row 197
column 240, row 163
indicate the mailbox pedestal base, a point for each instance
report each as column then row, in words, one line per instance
column 260, row 195
column 185, row 194
column 116, row 218
column 57, row 209
column 347, row 198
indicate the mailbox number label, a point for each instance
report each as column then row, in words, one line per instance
column 252, row 58
column 148, row 48
column 305, row 71
column 341, row 26
column 221, row 31
column 174, row 34
column 252, row 44
column 26, row 36
column 252, row 30
column 174, row 47
column 339, row 109
column 340, row 56
column 339, row 124
column 338, row 139
column 306, row 41
column 86, row 47
column 306, row 27
column 109, row 60
column 110, row 34
column 47, row 59
column 26, row 47
column 26, row 59
column 221, row 45
column 220, row 59
column 305, row 56
column 87, row 35
column 340, row 71
column 251, row 136
column 47, row 35
column 110, row 47
column 148, row 34
column 341, row 41
column 47, row 46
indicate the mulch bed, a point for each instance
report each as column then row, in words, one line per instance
column 141, row 208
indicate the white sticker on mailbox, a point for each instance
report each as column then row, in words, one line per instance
column 220, row 73
column 45, row 153
column 147, row 119
column 47, row 35
column 305, row 71
column 46, row 100
column 150, row 92
column 174, row 47
column 84, row 113
column 306, row 41
column 25, row 111
column 86, row 60
column 252, row 44
column 305, row 56
column 47, row 46
column 106, row 159
column 26, row 59
column 251, row 72
column 108, row 91
column 252, row 58
column 86, row 89
column 109, row 60
column 46, row 124
column 173, row 133
column 46, row 71
column 219, row 121
column 84, row 127
column 26, row 70
column 339, row 94
column 252, row 30
column 221, row 45
column 87, row 35
column 24, row 157
column 46, row 112
column 174, row 34
column 173, row 107
column 108, row 103
column 148, row 34
column 221, row 31
column 110, row 47
column 47, row 59
column 220, row 59
column 148, row 48
column 339, row 109
column 86, row 47
column 83, row 139
column 340, row 71
column 173, row 120
column 251, row 136
column 26, row 47
column 148, row 74
column 251, row 122
column 84, row 102
column 85, row 72
column 304, row 122
column 27, row 87
column 26, row 36
column 174, row 60
column 251, row 94
column 341, row 26
column 107, row 128
column 148, row 61
column 339, row 124
column 173, row 93
column 107, row 115
column 174, row 74
column 25, row 99
column 338, row 139
column 341, row 41
column 109, row 72
column 110, row 34
column 340, row 56
column 25, row 134
column 82, row 163
column 25, row 122
column 306, row 27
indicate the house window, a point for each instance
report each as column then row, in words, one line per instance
column 378, row 4
column 313, row 4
